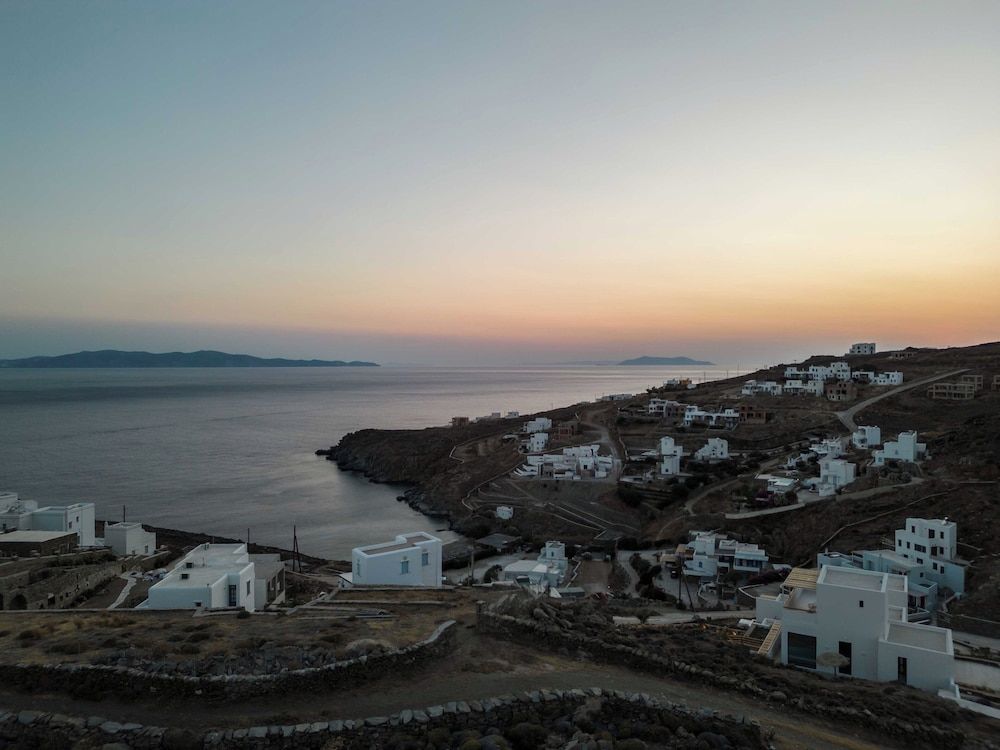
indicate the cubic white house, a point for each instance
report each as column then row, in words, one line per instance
column 25, row 515
column 670, row 456
column 834, row 473
column 573, row 463
column 411, row 560
column 538, row 424
column 129, row 539
column 713, row 555
column 925, row 551
column 904, row 448
column 854, row 622
column 716, row 449
column 547, row 571
column 866, row 437
column 862, row 348
column 210, row 576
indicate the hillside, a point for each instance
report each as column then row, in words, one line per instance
column 117, row 358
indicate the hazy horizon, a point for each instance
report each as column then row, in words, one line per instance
column 469, row 183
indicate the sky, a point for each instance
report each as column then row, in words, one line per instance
column 498, row 183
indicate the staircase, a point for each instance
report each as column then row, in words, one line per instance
column 767, row 646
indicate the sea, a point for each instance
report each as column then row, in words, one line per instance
column 230, row 451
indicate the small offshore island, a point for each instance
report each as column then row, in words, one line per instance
column 117, row 358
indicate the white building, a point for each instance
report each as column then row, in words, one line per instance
column 716, row 449
column 670, row 456
column 712, row 555
column 834, row 473
column 129, row 539
column 887, row 378
column 536, row 442
column 925, row 551
column 861, row 617
column 210, row 576
column 863, row 348
column 504, row 512
column 804, row 387
column 78, row 517
column 663, row 405
column 410, row 560
column 696, row 415
column 538, row 424
column 764, row 387
column 778, row 485
column 15, row 514
column 830, row 448
column 548, row 571
column 904, row 448
column 866, row 437
column 573, row 463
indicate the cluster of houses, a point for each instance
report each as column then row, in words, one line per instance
column 835, row 471
column 493, row 417
column 836, row 381
column 691, row 415
column 709, row 555
column 26, row 530
column 571, row 463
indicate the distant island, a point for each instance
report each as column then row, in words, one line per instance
column 116, row 358
column 665, row 361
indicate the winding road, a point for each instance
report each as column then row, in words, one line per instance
column 846, row 417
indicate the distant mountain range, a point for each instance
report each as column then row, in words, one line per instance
column 665, row 361
column 116, row 358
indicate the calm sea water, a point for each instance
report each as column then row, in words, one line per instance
column 221, row 450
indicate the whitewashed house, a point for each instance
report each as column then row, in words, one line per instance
column 904, row 448
column 862, row 348
column 716, row 449
column 409, row 560
column 866, row 437
column 670, row 456
column 859, row 618
column 776, row 484
column 711, row 555
column 536, row 442
column 538, row 424
column 211, row 576
column 129, row 539
column 693, row 414
column 888, row 378
column 78, row 517
column 764, row 387
column 573, row 463
column 925, row 551
column 504, row 512
column 804, row 387
column 834, row 473
column 830, row 448
column 15, row 513
column 548, row 571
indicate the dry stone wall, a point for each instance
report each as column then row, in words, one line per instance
column 96, row 680
column 565, row 713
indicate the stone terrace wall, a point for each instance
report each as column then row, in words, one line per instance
column 917, row 730
column 543, row 707
column 97, row 679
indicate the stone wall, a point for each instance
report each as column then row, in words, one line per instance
column 931, row 729
column 63, row 583
column 93, row 680
column 562, row 712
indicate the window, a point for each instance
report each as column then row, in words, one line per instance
column 425, row 558
column 248, row 587
column 404, row 567
column 930, row 533
column 920, row 561
column 802, row 650
column 861, row 603
column 919, row 548
column 845, row 650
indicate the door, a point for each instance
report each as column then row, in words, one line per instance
column 901, row 669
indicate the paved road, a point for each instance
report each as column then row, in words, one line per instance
column 847, row 416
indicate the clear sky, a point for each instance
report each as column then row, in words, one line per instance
column 498, row 182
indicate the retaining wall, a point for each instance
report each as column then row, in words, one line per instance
column 644, row 715
column 97, row 679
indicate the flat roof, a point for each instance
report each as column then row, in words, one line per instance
column 34, row 536
column 410, row 540
column 853, row 578
column 920, row 636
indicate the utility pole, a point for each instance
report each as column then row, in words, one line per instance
column 472, row 563
column 296, row 559
column 123, row 514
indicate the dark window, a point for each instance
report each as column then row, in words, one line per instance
column 861, row 602
column 930, row 533
column 802, row 650
column 232, row 595
column 901, row 669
